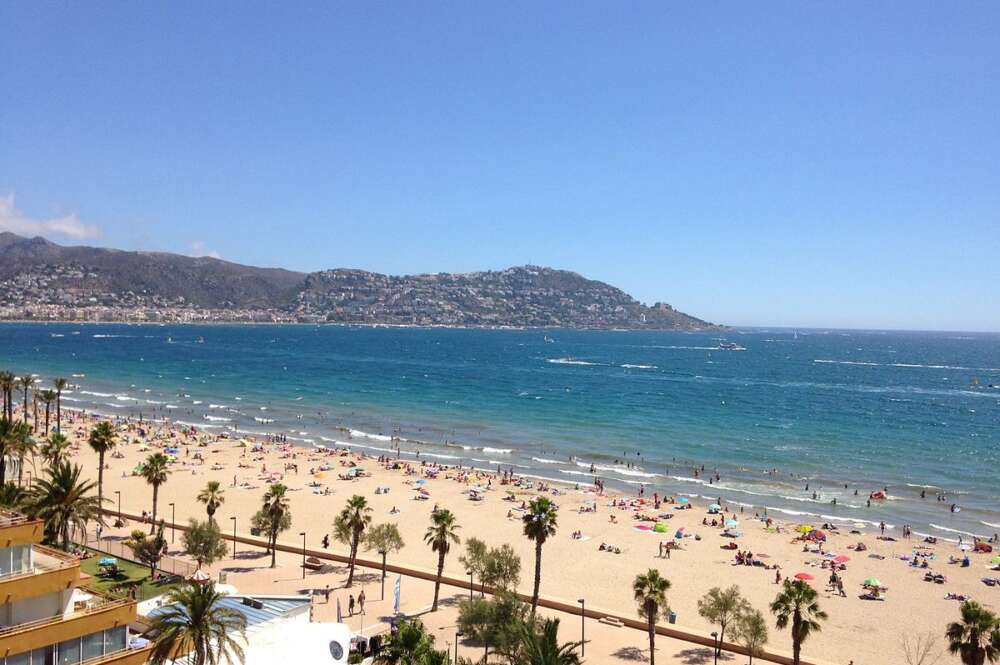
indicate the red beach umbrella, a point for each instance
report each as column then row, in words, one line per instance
column 805, row 577
column 841, row 559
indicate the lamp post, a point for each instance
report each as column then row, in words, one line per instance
column 715, row 641
column 458, row 634
column 173, row 523
column 583, row 626
column 233, row 518
column 469, row 573
column 303, row 534
column 27, row 471
column 119, row 493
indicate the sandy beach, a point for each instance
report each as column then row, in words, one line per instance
column 859, row 631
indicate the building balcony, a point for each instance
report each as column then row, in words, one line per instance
column 52, row 571
column 122, row 657
column 100, row 613
column 16, row 529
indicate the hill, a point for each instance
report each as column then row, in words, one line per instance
column 42, row 280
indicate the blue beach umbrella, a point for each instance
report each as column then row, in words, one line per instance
column 420, row 482
column 682, row 499
column 107, row 561
column 714, row 506
column 731, row 522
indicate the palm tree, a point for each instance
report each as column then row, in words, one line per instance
column 64, row 502
column 23, row 448
column 976, row 638
column 350, row 526
column 539, row 645
column 60, row 385
column 48, row 397
column 7, row 380
column 155, row 472
column 440, row 535
column 213, row 497
column 797, row 603
column 276, row 506
column 650, row 591
column 55, row 449
column 26, row 382
column 195, row 622
column 384, row 538
column 102, row 439
column 12, row 436
column 539, row 524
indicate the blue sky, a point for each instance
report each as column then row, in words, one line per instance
column 823, row 164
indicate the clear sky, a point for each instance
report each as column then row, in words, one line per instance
column 801, row 163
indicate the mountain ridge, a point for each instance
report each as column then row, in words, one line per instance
column 43, row 280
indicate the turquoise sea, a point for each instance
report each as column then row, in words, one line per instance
column 908, row 411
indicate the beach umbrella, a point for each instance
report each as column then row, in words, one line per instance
column 996, row 560
column 107, row 561
column 872, row 581
column 841, row 559
column 680, row 533
column 714, row 506
column 682, row 499
column 420, row 482
column 805, row 528
column 817, row 535
column 660, row 528
column 731, row 522
column 805, row 577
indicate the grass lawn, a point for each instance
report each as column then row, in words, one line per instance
column 131, row 573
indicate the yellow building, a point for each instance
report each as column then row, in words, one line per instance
column 45, row 617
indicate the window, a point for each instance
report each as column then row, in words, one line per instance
column 6, row 568
column 116, row 639
column 43, row 656
column 18, row 659
column 21, row 558
column 69, row 652
column 93, row 645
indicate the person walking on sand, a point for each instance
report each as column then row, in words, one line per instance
column 350, row 605
column 326, row 594
column 361, row 602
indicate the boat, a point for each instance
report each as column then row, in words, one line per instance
column 549, row 340
column 731, row 346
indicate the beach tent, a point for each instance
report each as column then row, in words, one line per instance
column 805, row 528
column 714, row 507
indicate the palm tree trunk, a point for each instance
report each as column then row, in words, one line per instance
column 437, row 581
column 354, row 554
column 34, row 406
column 274, row 548
column 538, row 575
column 796, row 643
column 46, row 419
column 59, row 411
column 156, row 491
column 26, row 404
column 652, row 639
column 100, row 480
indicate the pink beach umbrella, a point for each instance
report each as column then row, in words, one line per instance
column 841, row 559
column 805, row 577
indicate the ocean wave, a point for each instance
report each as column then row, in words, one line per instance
column 116, row 406
column 264, row 421
column 928, row 487
column 497, row 451
column 217, row 418
column 630, row 366
column 170, row 406
column 569, row 361
column 100, row 336
column 958, row 531
column 125, row 398
column 848, row 362
column 70, row 399
column 96, row 394
column 543, row 460
column 995, row 526
column 217, row 406
column 373, row 437
column 570, row 472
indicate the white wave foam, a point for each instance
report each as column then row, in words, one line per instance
column 217, row 418
column 630, row 366
column 497, row 451
column 543, row 460
column 95, row 394
column 958, row 531
column 848, row 362
column 995, row 526
column 569, row 361
column 373, row 437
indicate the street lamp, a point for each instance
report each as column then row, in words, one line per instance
column 303, row 534
column 469, row 573
column 583, row 625
column 119, row 493
column 458, row 634
column 716, row 642
column 27, row 471
column 173, row 522
column 233, row 518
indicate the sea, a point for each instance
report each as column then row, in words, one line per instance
column 804, row 424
